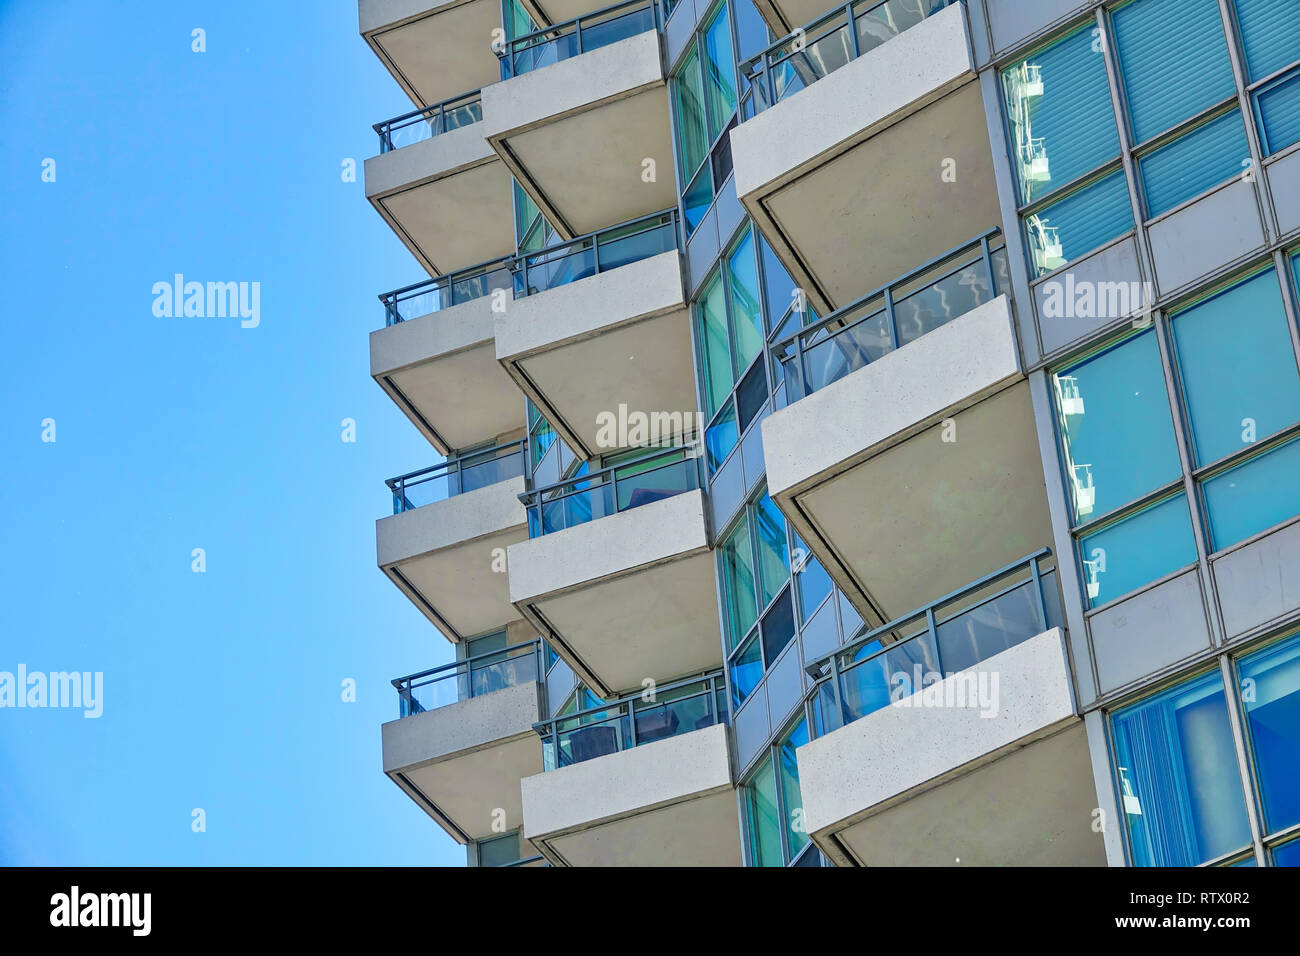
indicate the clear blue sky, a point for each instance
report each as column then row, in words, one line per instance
column 222, row 690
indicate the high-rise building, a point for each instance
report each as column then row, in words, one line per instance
column 872, row 434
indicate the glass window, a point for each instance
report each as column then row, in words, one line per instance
column 1270, row 695
column 721, row 436
column 746, row 671
column 1116, row 432
column 762, row 818
column 752, row 34
column 1238, row 368
column 1179, row 785
column 1137, row 550
column 746, row 315
column 711, row 313
column 1174, row 58
column 1058, row 106
column 1288, row 854
column 692, row 137
column 773, row 559
column 499, row 850
column 720, row 81
column 1210, row 155
column 1270, row 34
column 1253, row 496
column 738, row 582
column 1279, row 113
column 813, row 581
column 796, row 837
column 1079, row 223
column 778, row 628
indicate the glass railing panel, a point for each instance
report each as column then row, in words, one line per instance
column 577, row 507
column 500, row 674
column 885, row 673
column 889, row 19
column 846, row 351
column 550, row 269
column 655, row 484
column 646, row 241
column 462, row 680
column 995, row 625
column 457, row 476
column 567, row 40
column 942, row 301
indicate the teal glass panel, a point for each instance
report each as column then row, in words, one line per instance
column 746, row 671
column 1253, row 496
column 1116, row 433
column 738, row 582
column 773, row 560
column 796, row 836
column 1079, row 223
column 1179, row 785
column 1058, row 107
column 1207, row 156
column 1139, row 549
column 692, row 136
column 1270, row 33
column 721, row 436
column 778, row 287
column 1270, row 696
column 1238, row 368
column 813, row 582
column 1279, row 113
column 746, row 313
column 1174, row 58
column 711, row 320
column 720, row 73
column 762, row 818
column 499, row 851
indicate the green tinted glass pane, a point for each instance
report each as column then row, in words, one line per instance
column 746, row 314
column 773, row 559
column 692, row 138
column 1138, row 550
column 720, row 81
column 1116, row 433
column 1059, row 111
column 796, row 836
column 764, row 827
column 738, row 582
column 1238, row 369
column 499, row 851
column 711, row 318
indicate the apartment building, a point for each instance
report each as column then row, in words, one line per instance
column 871, row 434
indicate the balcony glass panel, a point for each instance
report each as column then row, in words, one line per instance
column 566, row 40
column 461, row 680
column 456, row 476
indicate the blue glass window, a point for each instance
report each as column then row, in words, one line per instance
column 1058, row 107
column 1253, row 496
column 1137, row 550
column 1270, row 695
column 1117, row 436
column 1209, row 155
column 1179, row 786
column 1287, row 855
column 1174, row 58
column 1279, row 113
column 796, row 837
column 1270, row 33
column 1238, row 368
column 1079, row 223
column 746, row 672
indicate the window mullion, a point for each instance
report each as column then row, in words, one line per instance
column 1263, row 193
column 1232, row 687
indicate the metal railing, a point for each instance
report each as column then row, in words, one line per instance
column 591, row 31
column 677, row 708
column 531, row 272
column 418, row 125
column 662, row 473
column 827, row 43
column 455, row 476
column 892, row 316
column 881, row 665
column 471, row 677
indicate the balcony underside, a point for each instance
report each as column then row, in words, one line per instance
column 850, row 187
column 932, row 474
column 448, row 557
column 434, row 50
column 577, row 135
column 441, row 370
column 918, row 784
column 448, row 198
column 625, row 597
column 667, row 803
column 617, row 338
column 462, row 762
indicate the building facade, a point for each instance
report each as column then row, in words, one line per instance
column 871, row 435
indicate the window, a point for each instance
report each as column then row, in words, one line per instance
column 1209, row 155
column 774, row 805
column 1270, row 681
column 1270, row 42
column 1137, row 549
column 499, row 851
column 1177, row 771
column 1253, row 496
column 737, row 561
column 762, row 818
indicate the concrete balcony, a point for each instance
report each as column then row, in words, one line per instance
column 865, row 148
column 605, row 324
column 465, row 740
column 619, row 574
column 908, row 457
column 979, row 759
column 638, row 783
column 436, row 357
column 441, row 188
column 582, row 122
column 448, row 556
